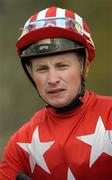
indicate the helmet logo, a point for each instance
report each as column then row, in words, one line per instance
column 43, row 47
column 78, row 28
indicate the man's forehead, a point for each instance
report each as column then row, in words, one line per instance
column 55, row 58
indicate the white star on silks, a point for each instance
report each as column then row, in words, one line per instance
column 70, row 175
column 36, row 150
column 101, row 141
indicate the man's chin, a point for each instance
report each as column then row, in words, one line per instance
column 58, row 105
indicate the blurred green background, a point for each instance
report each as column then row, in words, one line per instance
column 18, row 99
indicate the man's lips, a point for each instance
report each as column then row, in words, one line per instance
column 54, row 91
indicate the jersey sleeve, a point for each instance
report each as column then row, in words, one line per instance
column 13, row 161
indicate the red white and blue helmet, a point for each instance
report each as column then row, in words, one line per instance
column 54, row 22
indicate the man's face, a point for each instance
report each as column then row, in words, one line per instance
column 57, row 78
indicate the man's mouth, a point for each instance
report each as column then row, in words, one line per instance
column 55, row 91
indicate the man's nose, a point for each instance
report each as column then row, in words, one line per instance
column 53, row 78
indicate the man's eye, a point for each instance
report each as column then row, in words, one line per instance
column 63, row 66
column 42, row 69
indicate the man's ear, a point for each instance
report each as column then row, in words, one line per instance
column 86, row 67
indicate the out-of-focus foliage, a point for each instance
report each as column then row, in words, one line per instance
column 18, row 99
